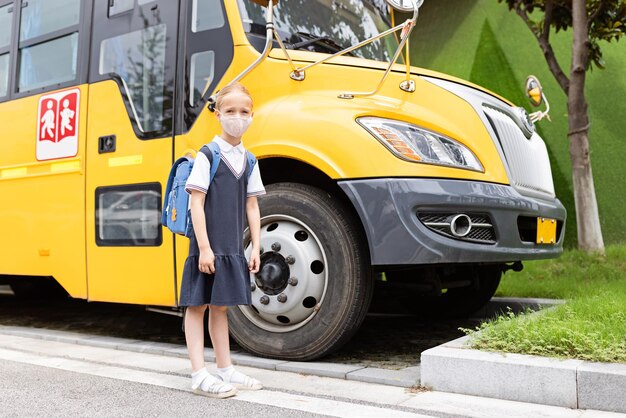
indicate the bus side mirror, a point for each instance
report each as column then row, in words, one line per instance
column 534, row 91
column 264, row 2
column 404, row 5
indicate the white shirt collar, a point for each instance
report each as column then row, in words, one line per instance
column 226, row 147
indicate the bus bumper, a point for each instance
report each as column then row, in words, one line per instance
column 395, row 214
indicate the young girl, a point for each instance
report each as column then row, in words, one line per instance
column 216, row 273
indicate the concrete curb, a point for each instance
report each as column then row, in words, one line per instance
column 406, row 377
column 577, row 384
column 500, row 305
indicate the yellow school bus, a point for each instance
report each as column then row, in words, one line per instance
column 375, row 170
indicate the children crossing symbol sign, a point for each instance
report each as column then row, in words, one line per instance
column 57, row 125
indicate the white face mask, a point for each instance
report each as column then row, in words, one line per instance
column 234, row 125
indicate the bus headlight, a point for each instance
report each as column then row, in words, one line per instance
column 412, row 143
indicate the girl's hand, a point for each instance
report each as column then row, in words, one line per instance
column 255, row 261
column 206, row 261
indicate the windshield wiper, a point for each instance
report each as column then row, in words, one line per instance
column 322, row 41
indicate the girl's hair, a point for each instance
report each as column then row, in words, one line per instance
column 230, row 89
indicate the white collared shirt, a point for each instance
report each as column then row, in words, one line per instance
column 235, row 158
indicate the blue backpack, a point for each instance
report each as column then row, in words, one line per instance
column 176, row 215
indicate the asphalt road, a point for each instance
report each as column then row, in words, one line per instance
column 34, row 391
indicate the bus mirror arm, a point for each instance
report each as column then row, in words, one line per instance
column 407, row 85
column 298, row 73
column 269, row 38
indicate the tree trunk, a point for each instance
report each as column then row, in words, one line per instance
column 587, row 218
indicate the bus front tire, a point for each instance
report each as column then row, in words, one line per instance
column 349, row 281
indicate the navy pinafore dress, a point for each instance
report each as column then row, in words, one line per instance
column 224, row 210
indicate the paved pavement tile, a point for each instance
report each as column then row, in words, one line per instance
column 403, row 378
column 252, row 361
column 338, row 371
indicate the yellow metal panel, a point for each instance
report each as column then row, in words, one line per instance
column 308, row 57
column 234, row 18
column 42, row 216
column 142, row 275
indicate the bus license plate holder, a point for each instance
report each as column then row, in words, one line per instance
column 546, row 231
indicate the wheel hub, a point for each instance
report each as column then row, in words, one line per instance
column 273, row 275
column 290, row 285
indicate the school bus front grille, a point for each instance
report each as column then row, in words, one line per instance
column 527, row 158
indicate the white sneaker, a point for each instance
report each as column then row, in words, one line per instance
column 203, row 383
column 238, row 379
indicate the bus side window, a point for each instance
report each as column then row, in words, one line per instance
column 48, row 43
column 6, row 18
column 139, row 59
column 206, row 14
column 201, row 75
column 43, row 17
column 129, row 215
column 4, row 74
column 208, row 54
column 117, row 7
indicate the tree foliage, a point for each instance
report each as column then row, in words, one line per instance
column 606, row 22
column 591, row 21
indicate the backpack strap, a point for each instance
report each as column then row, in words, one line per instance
column 213, row 154
column 251, row 163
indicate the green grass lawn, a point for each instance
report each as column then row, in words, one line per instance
column 574, row 274
column 590, row 326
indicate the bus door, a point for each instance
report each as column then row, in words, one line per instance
column 129, row 151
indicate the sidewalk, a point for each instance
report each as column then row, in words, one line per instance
column 407, row 377
column 306, row 393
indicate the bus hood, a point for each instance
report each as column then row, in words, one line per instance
column 310, row 57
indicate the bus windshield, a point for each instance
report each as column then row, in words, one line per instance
column 326, row 25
